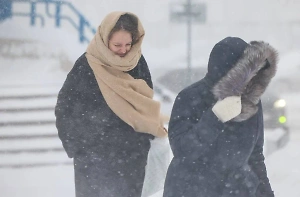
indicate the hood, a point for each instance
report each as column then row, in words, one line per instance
column 240, row 69
column 110, row 21
column 99, row 53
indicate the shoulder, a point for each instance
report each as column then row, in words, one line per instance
column 81, row 63
column 197, row 94
column 80, row 71
column 142, row 58
column 81, row 66
column 187, row 96
column 142, row 62
column 193, row 90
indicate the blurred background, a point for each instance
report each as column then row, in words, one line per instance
column 41, row 39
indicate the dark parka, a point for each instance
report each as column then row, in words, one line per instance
column 109, row 156
column 215, row 159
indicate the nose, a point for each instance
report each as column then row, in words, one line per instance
column 123, row 50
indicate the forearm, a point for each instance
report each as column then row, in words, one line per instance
column 194, row 139
column 69, row 134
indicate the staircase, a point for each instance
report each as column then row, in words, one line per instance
column 30, row 79
column 28, row 136
column 29, row 84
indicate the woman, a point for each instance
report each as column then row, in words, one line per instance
column 216, row 129
column 105, row 114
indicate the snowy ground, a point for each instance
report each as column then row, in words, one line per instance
column 283, row 169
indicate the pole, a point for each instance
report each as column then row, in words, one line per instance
column 32, row 13
column 189, row 36
column 57, row 13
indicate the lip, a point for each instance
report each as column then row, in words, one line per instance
column 121, row 55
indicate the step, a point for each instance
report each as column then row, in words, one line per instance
column 15, row 131
column 29, row 91
column 30, row 145
column 25, row 160
column 28, row 104
column 27, row 118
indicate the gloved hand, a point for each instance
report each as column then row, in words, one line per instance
column 228, row 108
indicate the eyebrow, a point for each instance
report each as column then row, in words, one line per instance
column 117, row 43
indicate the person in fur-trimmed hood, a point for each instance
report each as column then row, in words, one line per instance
column 105, row 112
column 216, row 128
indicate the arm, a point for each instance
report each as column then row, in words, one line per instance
column 68, row 120
column 190, row 136
column 256, row 161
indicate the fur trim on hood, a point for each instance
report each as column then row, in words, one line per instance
column 249, row 77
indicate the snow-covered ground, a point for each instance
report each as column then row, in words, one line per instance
column 39, row 79
column 282, row 166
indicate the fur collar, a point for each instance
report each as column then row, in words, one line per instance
column 249, row 77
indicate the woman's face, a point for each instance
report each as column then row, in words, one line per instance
column 120, row 43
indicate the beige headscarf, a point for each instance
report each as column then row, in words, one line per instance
column 130, row 99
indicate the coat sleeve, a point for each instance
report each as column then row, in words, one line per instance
column 68, row 120
column 188, row 137
column 256, row 161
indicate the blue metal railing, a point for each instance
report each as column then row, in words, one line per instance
column 81, row 26
column 82, row 23
column 5, row 9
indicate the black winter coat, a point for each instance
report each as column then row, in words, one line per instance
column 109, row 156
column 211, row 158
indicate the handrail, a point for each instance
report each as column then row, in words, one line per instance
column 80, row 27
column 82, row 21
column 35, row 15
